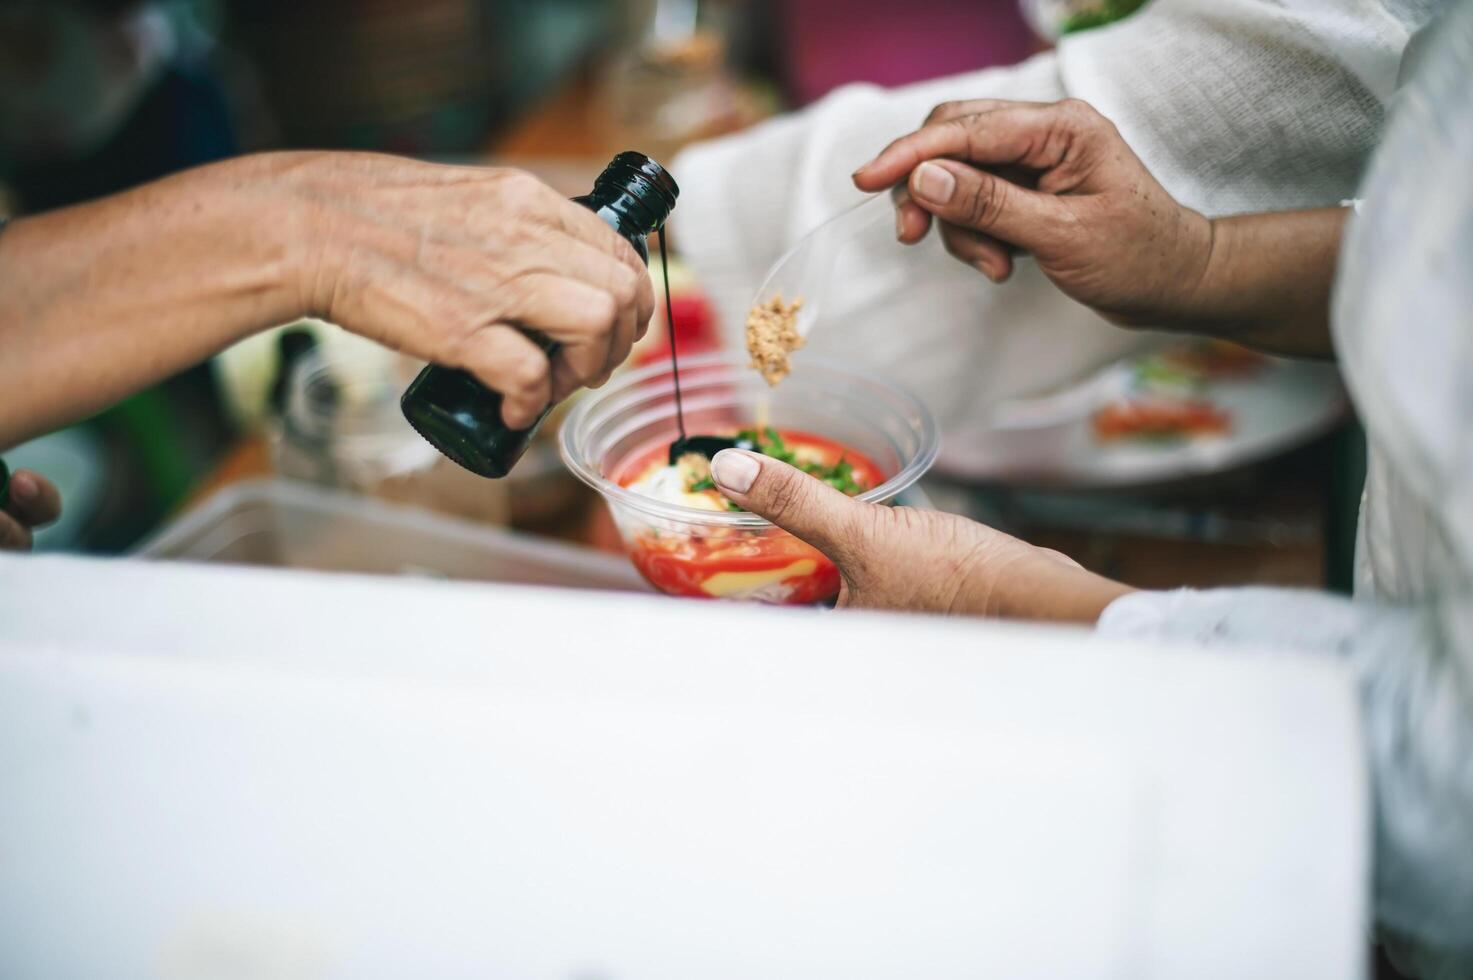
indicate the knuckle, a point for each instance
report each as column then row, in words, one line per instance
column 602, row 310
column 625, row 287
column 854, row 539
column 529, row 373
column 456, row 334
column 622, row 250
column 943, row 110
column 518, row 184
column 983, row 202
column 961, row 126
column 787, row 492
column 1081, row 112
column 583, row 362
column 518, row 289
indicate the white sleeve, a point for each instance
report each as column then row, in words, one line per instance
column 1417, row 716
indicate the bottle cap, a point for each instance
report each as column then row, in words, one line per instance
column 638, row 174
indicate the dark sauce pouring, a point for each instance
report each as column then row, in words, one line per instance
column 707, row 446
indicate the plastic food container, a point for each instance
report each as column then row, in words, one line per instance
column 342, row 427
column 685, row 551
column 288, row 524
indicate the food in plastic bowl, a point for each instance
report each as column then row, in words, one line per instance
column 858, row 432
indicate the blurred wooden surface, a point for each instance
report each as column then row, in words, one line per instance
column 248, row 459
column 1160, row 563
column 565, row 125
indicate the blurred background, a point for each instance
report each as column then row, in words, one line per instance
column 99, row 95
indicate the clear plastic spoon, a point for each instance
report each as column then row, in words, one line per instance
column 806, row 270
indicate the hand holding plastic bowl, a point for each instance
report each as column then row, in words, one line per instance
column 687, row 551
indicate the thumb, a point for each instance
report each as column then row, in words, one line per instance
column 796, row 502
column 983, row 201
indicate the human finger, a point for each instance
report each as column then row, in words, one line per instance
column 583, row 224
column 580, row 317
column 34, row 500
column 971, row 107
column 577, row 234
column 912, row 221
column 979, row 250
column 865, row 180
column 1033, row 135
column 508, row 361
column 796, row 502
column 14, row 536
column 630, row 286
column 963, row 195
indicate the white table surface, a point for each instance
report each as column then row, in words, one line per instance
column 230, row 772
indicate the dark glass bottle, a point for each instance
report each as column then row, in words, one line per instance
column 462, row 417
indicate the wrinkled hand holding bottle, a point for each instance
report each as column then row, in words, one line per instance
column 445, row 263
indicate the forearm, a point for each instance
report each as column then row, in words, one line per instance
column 103, row 299
column 1266, row 282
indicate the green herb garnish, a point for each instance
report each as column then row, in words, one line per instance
column 769, row 442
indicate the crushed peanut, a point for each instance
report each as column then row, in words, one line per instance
column 694, row 468
column 772, row 336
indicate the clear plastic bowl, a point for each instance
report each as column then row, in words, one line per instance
column 686, row 551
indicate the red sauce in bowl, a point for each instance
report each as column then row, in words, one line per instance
column 705, row 561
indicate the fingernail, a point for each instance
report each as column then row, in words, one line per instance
column 899, row 224
column 23, row 487
column 734, row 470
column 861, row 170
column 934, row 184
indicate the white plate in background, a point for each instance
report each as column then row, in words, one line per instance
column 1283, row 405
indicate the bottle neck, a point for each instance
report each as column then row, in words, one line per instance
column 626, row 210
column 634, row 194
